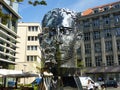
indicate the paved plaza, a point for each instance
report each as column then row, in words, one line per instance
column 110, row 88
column 113, row 88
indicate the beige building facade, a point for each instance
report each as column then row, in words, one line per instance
column 29, row 53
column 101, row 52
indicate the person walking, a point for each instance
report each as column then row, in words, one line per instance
column 90, row 85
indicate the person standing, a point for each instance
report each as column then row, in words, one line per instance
column 90, row 85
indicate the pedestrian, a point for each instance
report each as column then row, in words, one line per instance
column 102, row 87
column 90, row 85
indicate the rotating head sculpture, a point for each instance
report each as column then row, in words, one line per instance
column 59, row 34
column 59, row 18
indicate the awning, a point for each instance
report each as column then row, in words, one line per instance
column 107, row 69
column 8, row 71
column 23, row 75
column 16, row 73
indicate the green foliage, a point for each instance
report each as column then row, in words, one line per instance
column 34, row 2
column 11, row 66
column 37, row 2
column 36, row 87
column 80, row 63
column 17, row 0
column 4, row 17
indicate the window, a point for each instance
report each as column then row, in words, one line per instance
column 32, row 38
column 36, row 38
column 86, row 36
column 96, row 35
column 109, row 60
column 117, row 31
column 108, row 46
column 98, row 47
column 29, row 28
column 36, row 28
column 87, row 48
column 79, row 51
column 96, row 22
column 28, row 47
column 33, row 28
column 117, row 18
column 86, row 24
column 107, row 33
column 119, row 59
column 106, row 8
column 96, row 11
column 88, row 61
column 28, row 38
column 106, row 20
column 35, row 48
column 118, row 45
column 98, row 60
column 31, row 47
column 31, row 58
column 117, row 6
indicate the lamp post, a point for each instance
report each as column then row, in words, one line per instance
column 24, row 65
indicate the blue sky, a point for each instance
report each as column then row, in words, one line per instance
column 30, row 13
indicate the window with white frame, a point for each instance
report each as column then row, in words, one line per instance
column 96, row 10
column 32, row 48
column 98, row 60
column 87, row 48
column 107, row 33
column 119, row 59
column 118, row 45
column 106, row 20
column 88, row 61
column 117, row 6
column 106, row 8
column 96, row 22
column 109, row 60
column 108, row 46
column 87, row 36
column 117, row 18
column 96, row 35
column 33, row 28
column 97, row 47
column 86, row 24
column 32, row 38
column 117, row 31
column 31, row 58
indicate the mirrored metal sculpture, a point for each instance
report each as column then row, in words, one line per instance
column 60, row 38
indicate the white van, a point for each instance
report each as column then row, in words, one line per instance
column 84, row 82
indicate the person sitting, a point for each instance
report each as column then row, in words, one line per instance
column 90, row 85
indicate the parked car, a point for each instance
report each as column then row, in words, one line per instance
column 84, row 82
column 110, row 83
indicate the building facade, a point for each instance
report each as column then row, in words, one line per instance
column 101, row 52
column 8, row 34
column 29, row 53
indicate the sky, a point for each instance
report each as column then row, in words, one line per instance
column 31, row 13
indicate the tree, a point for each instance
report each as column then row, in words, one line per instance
column 34, row 2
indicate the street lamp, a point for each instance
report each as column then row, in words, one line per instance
column 24, row 65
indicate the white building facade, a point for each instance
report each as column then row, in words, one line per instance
column 29, row 53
